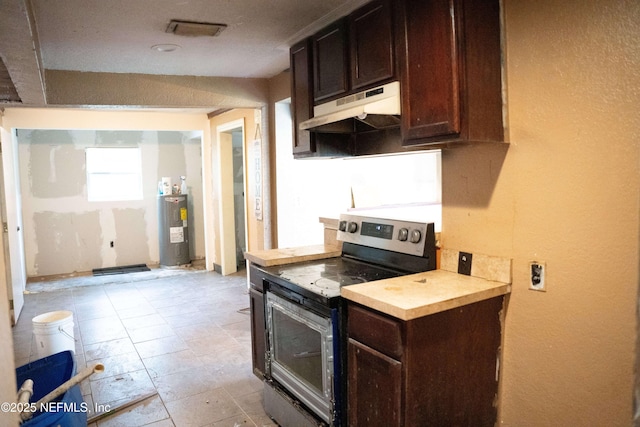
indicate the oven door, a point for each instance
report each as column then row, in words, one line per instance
column 301, row 353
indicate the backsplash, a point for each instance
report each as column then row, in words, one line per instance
column 484, row 266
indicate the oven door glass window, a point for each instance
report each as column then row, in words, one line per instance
column 301, row 347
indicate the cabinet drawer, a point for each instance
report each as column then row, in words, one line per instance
column 375, row 330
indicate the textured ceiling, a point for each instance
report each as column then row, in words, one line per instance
column 116, row 36
column 8, row 92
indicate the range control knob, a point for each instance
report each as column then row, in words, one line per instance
column 352, row 227
column 416, row 236
column 403, row 234
column 342, row 226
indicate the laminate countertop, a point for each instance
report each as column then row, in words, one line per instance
column 281, row 256
column 421, row 294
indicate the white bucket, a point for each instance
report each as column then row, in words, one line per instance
column 54, row 333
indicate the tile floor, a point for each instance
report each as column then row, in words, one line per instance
column 184, row 336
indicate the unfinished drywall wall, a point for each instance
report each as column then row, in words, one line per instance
column 131, row 225
column 65, row 233
column 50, row 175
column 66, row 241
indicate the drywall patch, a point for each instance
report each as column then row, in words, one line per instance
column 131, row 241
column 118, row 138
column 171, row 155
column 56, row 165
column 66, row 242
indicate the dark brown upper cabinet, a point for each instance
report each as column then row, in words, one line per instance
column 371, row 45
column 330, row 74
column 355, row 52
column 305, row 143
column 450, row 71
column 301, row 96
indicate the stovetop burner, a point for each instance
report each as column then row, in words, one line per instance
column 326, row 277
column 332, row 281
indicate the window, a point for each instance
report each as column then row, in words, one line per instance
column 114, row 174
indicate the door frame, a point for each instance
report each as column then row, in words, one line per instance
column 226, row 214
column 15, row 271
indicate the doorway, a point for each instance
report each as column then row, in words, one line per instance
column 11, row 244
column 232, row 205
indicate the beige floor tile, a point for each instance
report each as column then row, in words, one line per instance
column 141, row 321
column 108, row 349
column 160, row 346
column 128, row 386
column 137, row 311
column 149, row 333
column 151, row 410
column 203, row 409
column 118, row 365
column 182, row 384
column 104, row 333
column 185, row 338
column 171, row 363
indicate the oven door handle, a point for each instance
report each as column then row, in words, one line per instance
column 297, row 298
column 305, row 354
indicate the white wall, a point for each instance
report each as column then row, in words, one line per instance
column 406, row 186
column 306, row 189
column 7, row 366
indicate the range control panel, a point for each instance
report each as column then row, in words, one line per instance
column 406, row 237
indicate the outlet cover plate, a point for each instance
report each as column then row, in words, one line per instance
column 464, row 263
column 537, row 279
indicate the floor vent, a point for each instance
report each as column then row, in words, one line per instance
column 120, row 270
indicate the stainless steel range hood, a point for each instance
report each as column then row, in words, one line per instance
column 378, row 107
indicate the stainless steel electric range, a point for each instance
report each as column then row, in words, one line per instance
column 305, row 360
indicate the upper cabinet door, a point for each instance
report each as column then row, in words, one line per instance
column 371, row 44
column 330, row 61
column 301, row 96
column 429, row 69
column 450, row 71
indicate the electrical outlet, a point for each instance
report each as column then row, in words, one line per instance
column 537, row 273
column 464, row 263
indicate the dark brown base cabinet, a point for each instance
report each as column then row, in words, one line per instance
column 258, row 326
column 436, row 370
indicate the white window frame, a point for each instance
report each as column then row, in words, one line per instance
column 113, row 174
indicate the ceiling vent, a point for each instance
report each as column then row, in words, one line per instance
column 194, row 29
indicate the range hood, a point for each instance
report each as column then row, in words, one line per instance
column 378, row 107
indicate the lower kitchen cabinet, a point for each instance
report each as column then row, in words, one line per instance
column 375, row 387
column 258, row 325
column 439, row 369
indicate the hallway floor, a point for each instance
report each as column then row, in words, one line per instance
column 186, row 336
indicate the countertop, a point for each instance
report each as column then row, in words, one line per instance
column 281, row 256
column 421, row 294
